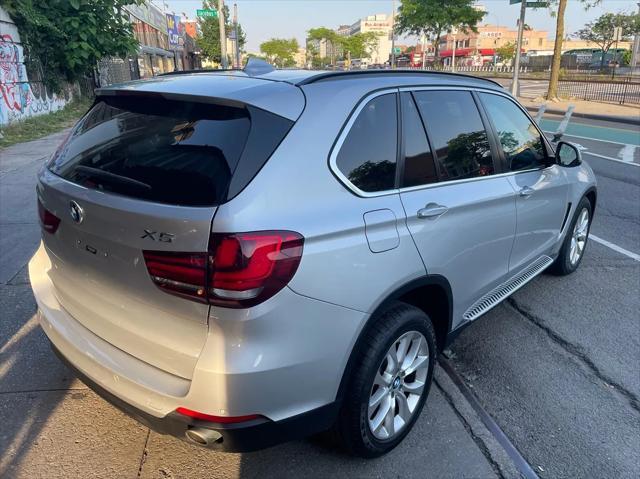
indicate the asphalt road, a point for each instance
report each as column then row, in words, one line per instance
column 557, row 367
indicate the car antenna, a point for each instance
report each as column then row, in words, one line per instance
column 256, row 66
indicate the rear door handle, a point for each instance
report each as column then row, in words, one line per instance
column 525, row 191
column 432, row 210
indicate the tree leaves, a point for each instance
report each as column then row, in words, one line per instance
column 70, row 36
column 280, row 51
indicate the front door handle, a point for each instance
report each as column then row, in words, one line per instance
column 526, row 191
column 432, row 210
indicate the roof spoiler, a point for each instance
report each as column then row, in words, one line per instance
column 253, row 68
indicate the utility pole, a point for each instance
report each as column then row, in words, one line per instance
column 453, row 52
column 393, row 35
column 223, row 35
column 635, row 60
column 515, row 85
column 236, row 42
column 424, row 51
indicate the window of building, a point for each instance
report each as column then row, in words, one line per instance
column 368, row 155
column 419, row 167
column 520, row 139
column 457, row 134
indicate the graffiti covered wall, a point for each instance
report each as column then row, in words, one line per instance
column 20, row 98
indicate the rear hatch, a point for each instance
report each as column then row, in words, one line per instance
column 143, row 173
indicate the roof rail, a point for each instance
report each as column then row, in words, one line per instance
column 340, row 74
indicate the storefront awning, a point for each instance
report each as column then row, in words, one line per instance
column 465, row 52
column 156, row 51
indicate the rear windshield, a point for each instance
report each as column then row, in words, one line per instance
column 165, row 151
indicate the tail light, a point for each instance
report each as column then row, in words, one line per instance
column 239, row 270
column 48, row 220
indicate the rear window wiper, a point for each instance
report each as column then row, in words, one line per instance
column 107, row 176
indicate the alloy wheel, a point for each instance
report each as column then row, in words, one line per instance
column 399, row 383
column 579, row 237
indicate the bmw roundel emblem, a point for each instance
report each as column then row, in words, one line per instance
column 77, row 213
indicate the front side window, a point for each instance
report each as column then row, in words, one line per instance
column 457, row 134
column 520, row 139
column 367, row 156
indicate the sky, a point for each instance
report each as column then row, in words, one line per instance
column 265, row 19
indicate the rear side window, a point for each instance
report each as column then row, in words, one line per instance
column 419, row 167
column 520, row 139
column 457, row 134
column 367, row 156
column 165, row 151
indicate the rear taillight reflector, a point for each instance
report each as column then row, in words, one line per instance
column 238, row 271
column 48, row 220
column 219, row 419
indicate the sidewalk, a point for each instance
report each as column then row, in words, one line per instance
column 586, row 109
column 53, row 425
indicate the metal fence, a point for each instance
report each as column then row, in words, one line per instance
column 625, row 92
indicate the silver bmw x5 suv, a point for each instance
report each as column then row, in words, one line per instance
column 240, row 258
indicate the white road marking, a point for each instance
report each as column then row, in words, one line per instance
column 627, row 152
column 615, row 247
column 608, row 157
column 593, row 139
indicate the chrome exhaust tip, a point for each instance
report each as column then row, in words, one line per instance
column 203, row 437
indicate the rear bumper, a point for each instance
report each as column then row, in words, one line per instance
column 282, row 360
column 242, row 437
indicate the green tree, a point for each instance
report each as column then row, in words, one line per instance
column 68, row 37
column 552, row 91
column 360, row 45
column 435, row 17
column 327, row 35
column 601, row 30
column 280, row 51
column 507, row 51
column 209, row 39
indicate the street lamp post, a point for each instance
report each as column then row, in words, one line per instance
column 393, row 34
column 454, row 31
column 223, row 35
column 515, row 85
column 424, row 52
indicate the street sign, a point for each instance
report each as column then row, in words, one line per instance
column 617, row 34
column 207, row 13
column 537, row 4
column 397, row 50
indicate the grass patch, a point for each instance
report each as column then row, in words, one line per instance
column 43, row 125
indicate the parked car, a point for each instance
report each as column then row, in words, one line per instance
column 244, row 258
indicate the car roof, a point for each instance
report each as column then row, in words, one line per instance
column 300, row 77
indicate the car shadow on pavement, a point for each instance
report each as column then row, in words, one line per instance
column 32, row 383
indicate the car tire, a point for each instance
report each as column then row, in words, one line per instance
column 577, row 236
column 397, row 325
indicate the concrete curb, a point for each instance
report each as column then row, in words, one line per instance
column 591, row 116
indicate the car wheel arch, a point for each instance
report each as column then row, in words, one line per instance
column 439, row 308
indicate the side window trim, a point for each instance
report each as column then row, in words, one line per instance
column 428, row 135
column 335, row 149
column 545, row 146
column 499, row 160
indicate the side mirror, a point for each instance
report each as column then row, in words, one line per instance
column 568, row 154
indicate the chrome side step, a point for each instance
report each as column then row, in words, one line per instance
column 496, row 295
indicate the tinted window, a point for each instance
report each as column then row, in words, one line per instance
column 159, row 150
column 419, row 168
column 368, row 155
column 520, row 139
column 457, row 134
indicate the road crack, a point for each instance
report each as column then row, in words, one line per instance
column 576, row 351
column 143, row 458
